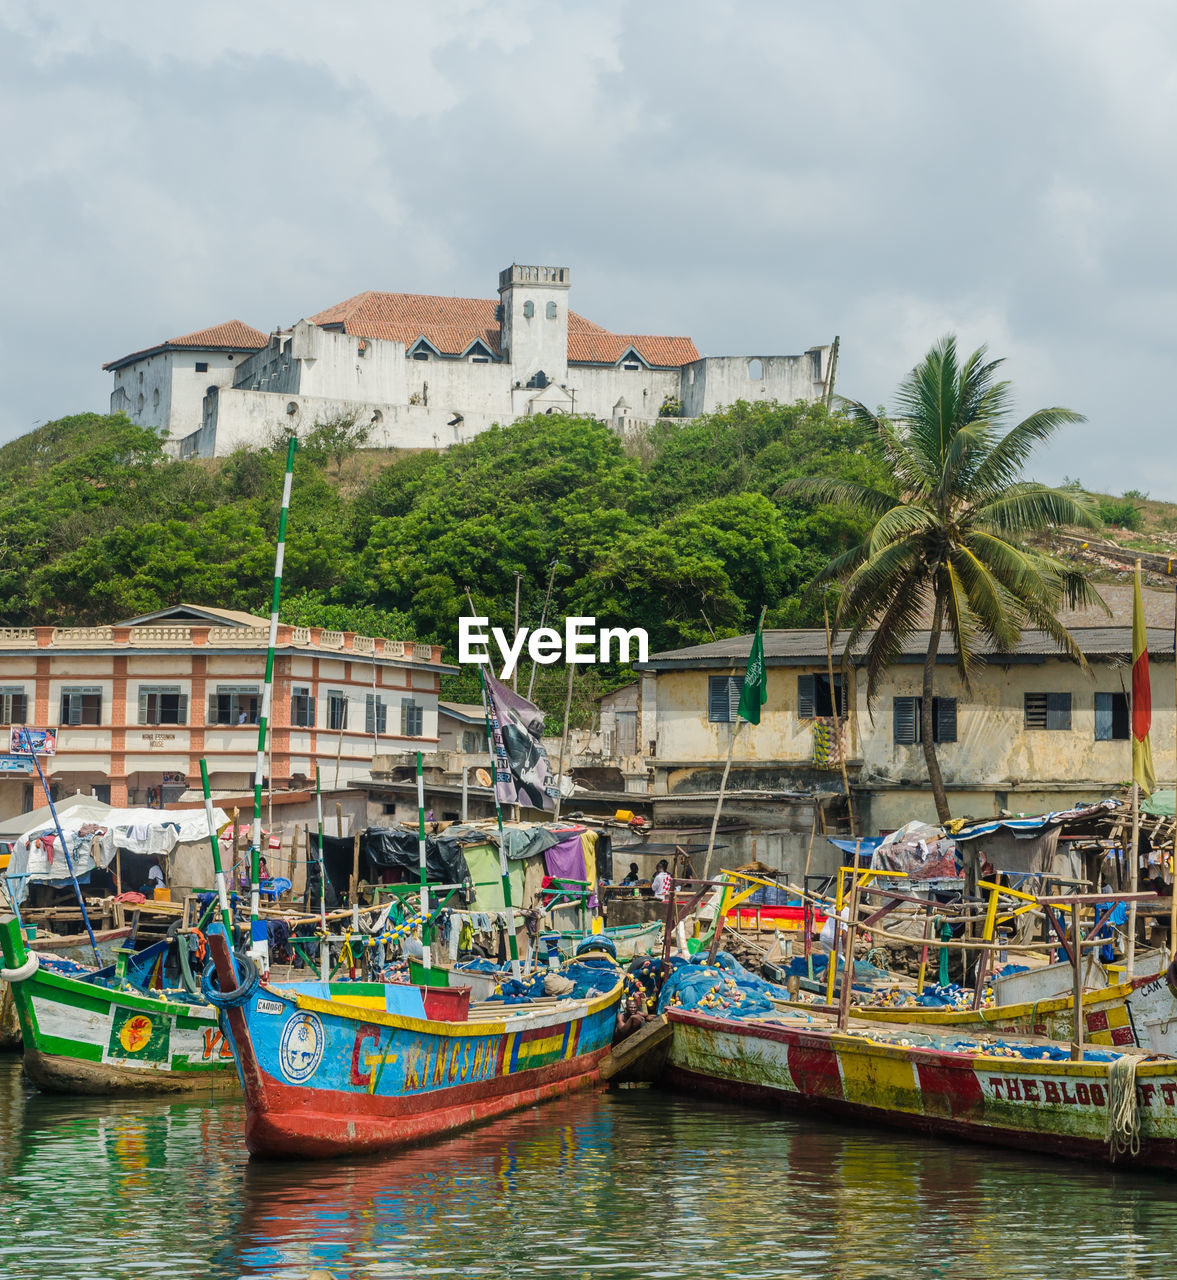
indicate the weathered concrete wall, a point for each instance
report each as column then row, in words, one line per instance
column 715, row 381
column 598, row 388
column 165, row 391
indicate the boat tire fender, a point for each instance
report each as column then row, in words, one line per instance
column 22, row 972
column 230, row 999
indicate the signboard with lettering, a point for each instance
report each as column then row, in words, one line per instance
column 44, row 741
column 16, row 764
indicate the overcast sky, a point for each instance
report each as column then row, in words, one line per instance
column 760, row 176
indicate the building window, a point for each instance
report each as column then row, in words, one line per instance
column 480, row 359
column 813, row 697
column 234, row 704
column 375, row 714
column 551, row 311
column 1048, row 710
column 162, row 704
column 1112, row 721
column 420, row 355
column 906, row 720
column 14, row 705
column 412, row 719
column 723, row 698
column 302, row 708
column 81, row 705
column 755, row 370
column 202, row 366
column 336, row 709
column 528, row 310
column 632, row 366
column 472, row 740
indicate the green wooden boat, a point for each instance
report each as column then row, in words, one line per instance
column 82, row 1036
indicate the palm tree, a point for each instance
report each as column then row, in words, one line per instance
column 952, row 538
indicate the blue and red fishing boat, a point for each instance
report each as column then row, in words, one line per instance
column 332, row 1069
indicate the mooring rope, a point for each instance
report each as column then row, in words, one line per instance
column 1123, row 1132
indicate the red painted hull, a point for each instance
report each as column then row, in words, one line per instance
column 280, row 1123
column 916, row 1089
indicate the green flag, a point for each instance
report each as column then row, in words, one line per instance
column 754, row 694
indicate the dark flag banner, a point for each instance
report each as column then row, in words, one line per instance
column 523, row 774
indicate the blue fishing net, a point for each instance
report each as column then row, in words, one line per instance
column 723, row 987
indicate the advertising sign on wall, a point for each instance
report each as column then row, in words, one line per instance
column 44, row 741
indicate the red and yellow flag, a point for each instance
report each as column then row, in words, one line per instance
column 1142, row 770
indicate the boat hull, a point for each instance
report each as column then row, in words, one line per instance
column 82, row 1038
column 335, row 1074
column 1052, row 1107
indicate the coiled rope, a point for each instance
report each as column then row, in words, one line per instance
column 209, row 983
column 1123, row 1132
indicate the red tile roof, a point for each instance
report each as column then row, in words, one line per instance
column 452, row 324
column 233, row 335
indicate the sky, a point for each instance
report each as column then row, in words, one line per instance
column 757, row 175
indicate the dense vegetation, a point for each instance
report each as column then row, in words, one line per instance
column 684, row 532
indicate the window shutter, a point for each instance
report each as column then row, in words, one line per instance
column 1058, row 710
column 1103, row 717
column 905, row 715
column 1035, row 704
column 944, row 719
column 369, row 714
column 142, row 706
column 182, row 709
column 310, row 713
column 212, row 709
column 718, row 702
column 805, row 697
column 75, row 708
column 735, row 687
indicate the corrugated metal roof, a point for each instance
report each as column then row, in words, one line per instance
column 803, row 646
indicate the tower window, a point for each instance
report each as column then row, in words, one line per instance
column 528, row 310
column 202, row 366
column 755, row 370
column 551, row 311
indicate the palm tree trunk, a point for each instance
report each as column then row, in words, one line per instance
column 939, row 795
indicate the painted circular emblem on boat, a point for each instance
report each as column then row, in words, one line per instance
column 135, row 1033
column 301, row 1048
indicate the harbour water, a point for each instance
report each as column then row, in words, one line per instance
column 633, row 1183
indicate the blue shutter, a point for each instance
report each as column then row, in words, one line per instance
column 1103, row 717
column 718, row 701
column 905, row 717
column 944, row 719
column 805, row 697
column 1058, row 710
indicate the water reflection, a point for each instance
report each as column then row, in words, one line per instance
column 623, row 1185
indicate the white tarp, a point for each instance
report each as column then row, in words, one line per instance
column 37, row 855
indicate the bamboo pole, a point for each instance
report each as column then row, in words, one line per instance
column 837, row 718
column 563, row 746
column 727, row 768
column 543, row 619
column 425, row 957
column 214, row 844
column 504, row 869
column 1130, row 955
column 1077, row 1010
column 259, row 946
column 324, row 949
column 69, row 862
column 848, row 961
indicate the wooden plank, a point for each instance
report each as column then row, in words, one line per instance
column 656, row 1032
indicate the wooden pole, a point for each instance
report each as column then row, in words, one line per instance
column 837, row 718
column 563, row 745
column 848, row 961
column 515, row 673
column 543, row 619
column 421, row 858
column 731, row 747
column 324, row 947
column 214, row 845
column 1077, row 944
column 1130, row 955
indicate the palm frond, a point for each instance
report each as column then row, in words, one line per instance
column 900, row 522
column 1004, row 464
column 996, row 611
column 961, row 622
column 1026, row 508
column 843, row 492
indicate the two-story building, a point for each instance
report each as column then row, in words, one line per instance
column 128, row 711
column 1035, row 732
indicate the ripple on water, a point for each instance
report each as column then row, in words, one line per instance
column 619, row 1185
